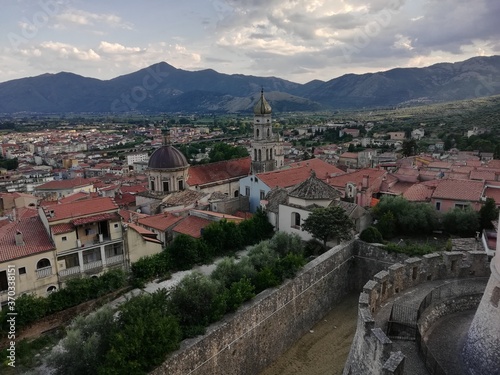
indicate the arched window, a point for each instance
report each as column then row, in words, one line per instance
column 236, row 193
column 260, row 155
column 295, row 222
column 42, row 263
column 267, row 154
column 257, row 133
column 51, row 289
column 268, row 132
column 255, row 154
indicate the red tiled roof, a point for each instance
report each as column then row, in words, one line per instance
column 77, row 196
column 374, row 202
column 125, row 199
column 464, row 190
column 418, row 193
column 161, row 222
column 62, row 228
column 494, row 163
column 35, row 237
column 80, row 208
column 96, row 218
column 133, row 189
column 191, row 226
column 440, row 165
column 146, row 234
column 349, row 155
column 126, row 215
column 482, row 175
column 66, row 184
column 356, row 177
column 298, row 172
column 493, row 193
column 219, row 171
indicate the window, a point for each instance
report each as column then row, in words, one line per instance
column 51, row 289
column 22, row 270
column 461, row 206
column 115, row 225
column 152, row 185
column 42, row 263
column 236, row 193
column 181, row 184
column 64, row 238
column 295, row 223
column 438, row 206
column 262, row 194
column 166, row 186
column 247, row 191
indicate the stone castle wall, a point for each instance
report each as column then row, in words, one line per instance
column 260, row 331
column 371, row 351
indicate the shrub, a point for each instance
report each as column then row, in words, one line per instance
column 410, row 249
column 371, row 235
column 313, row 248
column 239, row 292
column 183, row 252
column 29, row 308
column 150, row 267
column 462, row 222
column 85, row 346
column 197, row 301
column 228, row 271
column 283, row 244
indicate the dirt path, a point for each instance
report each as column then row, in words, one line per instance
column 325, row 350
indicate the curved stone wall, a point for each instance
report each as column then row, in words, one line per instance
column 371, row 351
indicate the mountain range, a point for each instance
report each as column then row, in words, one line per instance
column 164, row 88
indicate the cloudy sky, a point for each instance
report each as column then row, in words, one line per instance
column 298, row 40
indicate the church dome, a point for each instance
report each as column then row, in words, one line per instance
column 167, row 157
column 262, row 107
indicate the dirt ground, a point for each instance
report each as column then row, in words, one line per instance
column 325, row 349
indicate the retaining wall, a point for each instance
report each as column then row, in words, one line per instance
column 263, row 329
column 371, row 350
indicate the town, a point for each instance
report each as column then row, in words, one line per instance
column 82, row 201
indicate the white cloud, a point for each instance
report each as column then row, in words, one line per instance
column 117, row 48
column 84, row 18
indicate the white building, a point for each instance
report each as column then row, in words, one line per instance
column 137, row 157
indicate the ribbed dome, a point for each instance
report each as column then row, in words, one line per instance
column 167, row 157
column 262, row 107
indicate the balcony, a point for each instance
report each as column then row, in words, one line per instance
column 114, row 260
column 43, row 272
column 73, row 271
column 93, row 267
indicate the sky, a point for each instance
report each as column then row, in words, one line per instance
column 297, row 40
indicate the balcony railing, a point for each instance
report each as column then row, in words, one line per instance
column 44, row 272
column 69, row 271
column 114, row 260
column 92, row 265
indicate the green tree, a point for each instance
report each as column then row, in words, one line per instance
column 409, row 147
column 329, row 223
column 197, row 301
column 222, row 151
column 462, row 222
column 145, row 332
column 85, row 346
column 488, row 213
column 183, row 252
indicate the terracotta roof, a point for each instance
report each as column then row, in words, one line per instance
column 125, row 199
column 161, row 222
column 133, row 188
column 375, row 178
column 439, row 164
column 298, row 172
column 191, row 226
column 314, row 188
column 146, row 234
column 219, row 171
column 35, row 237
column 275, row 197
column 62, row 228
column 482, row 175
column 419, row 193
column 126, row 214
column 464, row 190
column 494, row 163
column 80, row 208
column 66, row 184
column 490, row 192
column 183, row 198
column 77, row 196
column 349, row 155
column 218, row 215
column 95, row 218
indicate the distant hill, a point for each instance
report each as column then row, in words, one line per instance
column 164, row 88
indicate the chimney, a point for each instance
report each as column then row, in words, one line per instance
column 19, row 238
column 366, row 181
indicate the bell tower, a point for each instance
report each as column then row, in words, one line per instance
column 267, row 148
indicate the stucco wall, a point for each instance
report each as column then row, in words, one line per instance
column 260, row 331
